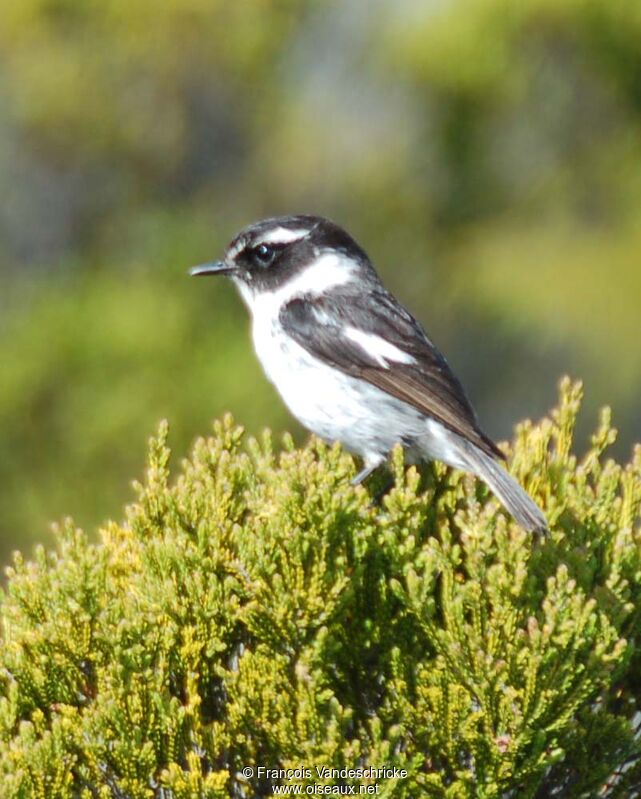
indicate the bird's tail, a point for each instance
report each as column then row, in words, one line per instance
column 517, row 501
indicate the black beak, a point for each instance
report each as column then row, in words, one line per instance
column 213, row 268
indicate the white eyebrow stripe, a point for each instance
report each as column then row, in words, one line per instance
column 283, row 235
column 379, row 349
column 233, row 251
column 279, row 235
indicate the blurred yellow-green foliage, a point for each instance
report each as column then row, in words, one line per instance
column 487, row 154
column 253, row 610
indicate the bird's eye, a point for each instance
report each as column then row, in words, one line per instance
column 264, row 254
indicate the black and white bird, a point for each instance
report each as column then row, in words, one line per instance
column 350, row 362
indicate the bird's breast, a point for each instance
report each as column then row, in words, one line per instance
column 285, row 362
column 327, row 401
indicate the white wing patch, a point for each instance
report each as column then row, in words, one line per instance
column 379, row 349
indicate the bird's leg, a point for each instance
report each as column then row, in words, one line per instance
column 370, row 466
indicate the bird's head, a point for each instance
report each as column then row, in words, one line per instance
column 302, row 252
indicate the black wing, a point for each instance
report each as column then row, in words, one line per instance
column 318, row 324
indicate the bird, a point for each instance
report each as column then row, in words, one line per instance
column 350, row 361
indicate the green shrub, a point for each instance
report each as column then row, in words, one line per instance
column 258, row 611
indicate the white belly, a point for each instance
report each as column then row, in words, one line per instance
column 335, row 406
column 331, row 404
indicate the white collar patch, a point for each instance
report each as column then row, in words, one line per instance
column 325, row 273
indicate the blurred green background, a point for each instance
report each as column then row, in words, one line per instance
column 486, row 153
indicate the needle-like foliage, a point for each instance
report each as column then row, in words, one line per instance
column 256, row 610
